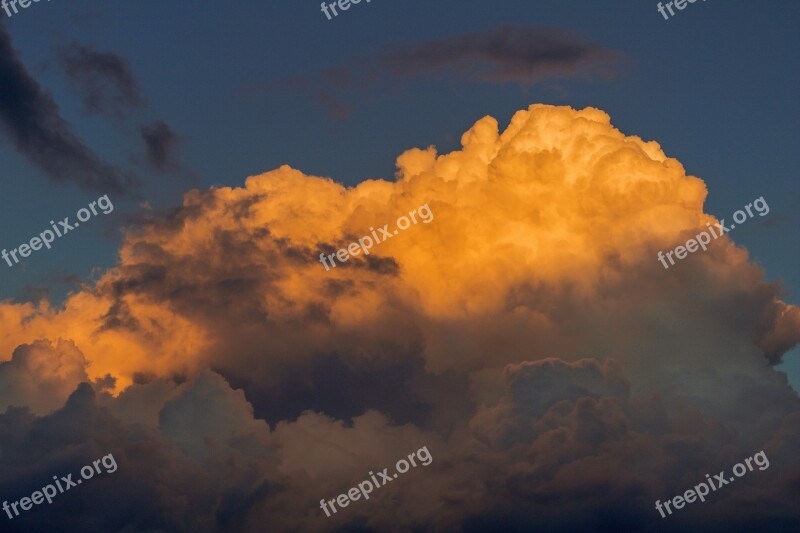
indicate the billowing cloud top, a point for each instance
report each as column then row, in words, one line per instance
column 527, row 335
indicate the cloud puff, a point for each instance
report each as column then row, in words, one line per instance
column 162, row 146
column 41, row 376
column 534, row 387
column 34, row 124
column 104, row 80
column 528, row 335
column 207, row 410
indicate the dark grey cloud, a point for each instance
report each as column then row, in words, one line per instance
column 506, row 54
column 162, row 145
column 104, row 80
column 588, row 456
column 31, row 119
column 586, row 444
column 33, row 294
column 518, row 54
column 132, row 498
column 336, row 108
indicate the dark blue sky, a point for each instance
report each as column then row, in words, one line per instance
column 716, row 86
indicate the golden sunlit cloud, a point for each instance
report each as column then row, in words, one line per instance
column 559, row 199
column 527, row 336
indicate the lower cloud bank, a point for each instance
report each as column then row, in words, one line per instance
column 49, row 491
column 367, row 486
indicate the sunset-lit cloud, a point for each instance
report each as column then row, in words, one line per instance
column 535, row 344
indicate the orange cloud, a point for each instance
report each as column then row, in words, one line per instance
column 559, row 201
column 528, row 336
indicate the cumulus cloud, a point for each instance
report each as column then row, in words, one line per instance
column 528, row 336
column 32, row 121
column 104, row 80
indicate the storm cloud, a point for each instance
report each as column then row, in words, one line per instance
column 559, row 376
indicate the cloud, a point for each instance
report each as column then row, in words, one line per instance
column 206, row 413
column 150, row 470
column 533, row 387
column 32, row 120
column 524, row 55
column 517, row 54
column 593, row 459
column 221, row 275
column 336, row 108
column 162, row 146
column 604, row 456
column 41, row 376
column 104, row 80
column 106, row 84
column 561, row 378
